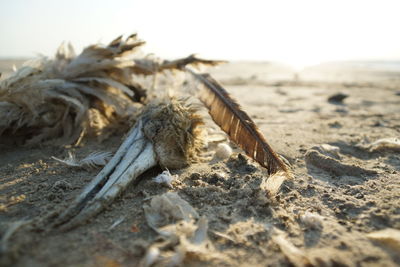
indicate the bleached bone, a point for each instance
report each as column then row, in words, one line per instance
column 168, row 133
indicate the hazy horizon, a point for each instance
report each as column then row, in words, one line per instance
column 297, row 33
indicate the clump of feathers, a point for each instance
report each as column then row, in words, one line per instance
column 56, row 98
column 72, row 96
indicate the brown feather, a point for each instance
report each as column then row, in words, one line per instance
column 233, row 120
column 190, row 60
column 149, row 66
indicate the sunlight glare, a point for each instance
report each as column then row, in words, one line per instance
column 299, row 33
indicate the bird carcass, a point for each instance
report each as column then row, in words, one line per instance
column 168, row 133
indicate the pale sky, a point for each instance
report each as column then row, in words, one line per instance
column 297, row 32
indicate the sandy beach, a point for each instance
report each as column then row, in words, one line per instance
column 337, row 124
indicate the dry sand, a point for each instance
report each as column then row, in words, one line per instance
column 343, row 188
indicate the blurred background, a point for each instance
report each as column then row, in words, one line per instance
column 297, row 33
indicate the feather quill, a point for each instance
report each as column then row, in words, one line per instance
column 227, row 113
column 148, row 66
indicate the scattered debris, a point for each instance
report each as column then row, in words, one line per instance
column 290, row 110
column 385, row 144
column 61, row 185
column 167, row 209
column 165, row 178
column 151, row 256
column 174, row 219
column 214, row 136
column 188, row 241
column 337, row 98
column 388, row 237
column 296, row 256
column 335, row 124
column 224, row 236
column 329, row 164
column 312, row 220
column 240, row 232
column 328, row 150
column 116, row 223
column 12, row 201
column 134, row 228
column 273, row 183
column 280, row 91
column 93, row 160
column 223, row 151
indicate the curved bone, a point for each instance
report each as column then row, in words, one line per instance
column 94, row 186
column 112, row 189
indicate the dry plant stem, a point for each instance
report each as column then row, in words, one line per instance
column 133, row 157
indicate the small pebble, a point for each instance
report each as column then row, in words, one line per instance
column 337, row 98
column 312, row 220
column 223, row 151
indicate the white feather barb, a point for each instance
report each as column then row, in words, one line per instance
column 93, row 160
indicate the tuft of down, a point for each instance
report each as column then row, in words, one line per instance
column 165, row 178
